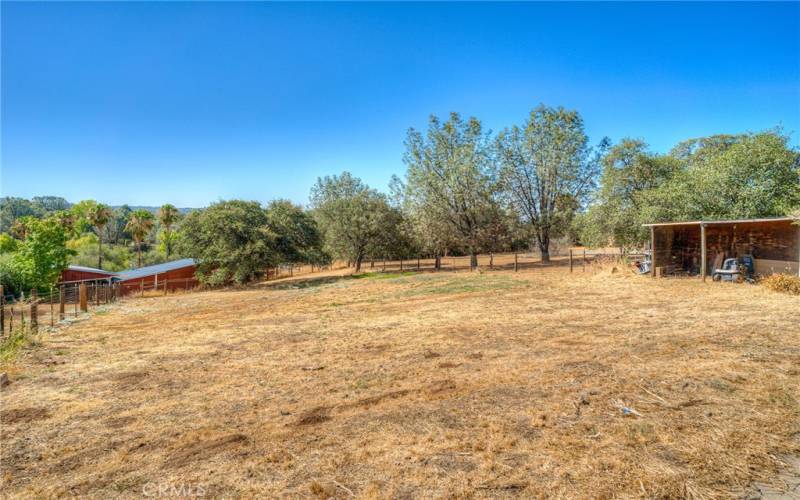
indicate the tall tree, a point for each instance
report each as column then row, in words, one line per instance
column 140, row 222
column 351, row 215
column 168, row 215
column 99, row 215
column 449, row 178
column 547, row 171
column 231, row 241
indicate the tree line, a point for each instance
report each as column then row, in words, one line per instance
column 465, row 191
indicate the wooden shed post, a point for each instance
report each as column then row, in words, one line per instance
column 653, row 251
column 703, row 270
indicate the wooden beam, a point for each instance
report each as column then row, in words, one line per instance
column 653, row 251
column 703, row 251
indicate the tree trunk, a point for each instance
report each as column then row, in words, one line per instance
column 544, row 248
column 358, row 263
column 473, row 261
column 100, row 252
column 139, row 253
column 545, row 255
column 437, row 262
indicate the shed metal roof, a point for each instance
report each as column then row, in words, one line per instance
column 156, row 269
column 713, row 222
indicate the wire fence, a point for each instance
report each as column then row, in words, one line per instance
column 69, row 300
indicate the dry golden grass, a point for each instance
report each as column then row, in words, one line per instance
column 782, row 283
column 534, row 384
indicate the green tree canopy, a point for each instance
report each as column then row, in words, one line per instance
column 43, row 254
column 297, row 237
column 231, row 241
column 716, row 177
column 351, row 216
column 13, row 209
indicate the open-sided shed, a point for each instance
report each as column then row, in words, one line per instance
column 693, row 247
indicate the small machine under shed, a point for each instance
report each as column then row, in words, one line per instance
column 770, row 245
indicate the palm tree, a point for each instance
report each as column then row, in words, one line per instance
column 168, row 215
column 99, row 216
column 140, row 222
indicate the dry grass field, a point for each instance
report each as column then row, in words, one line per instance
column 494, row 384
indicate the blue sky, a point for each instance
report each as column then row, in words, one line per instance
column 146, row 103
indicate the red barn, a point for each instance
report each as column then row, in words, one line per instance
column 81, row 273
column 177, row 275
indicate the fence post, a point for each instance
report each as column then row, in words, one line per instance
column 52, row 311
column 83, row 293
column 384, row 264
column 491, row 260
column 570, row 260
column 584, row 260
column 516, row 262
column 34, row 310
column 76, row 300
column 401, row 265
column 165, row 287
column 62, row 302
column 141, row 287
column 417, row 262
column 96, row 294
column 2, row 311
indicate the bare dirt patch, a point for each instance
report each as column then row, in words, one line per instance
column 203, row 449
column 23, row 415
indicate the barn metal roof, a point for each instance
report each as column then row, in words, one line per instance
column 90, row 270
column 712, row 222
column 153, row 270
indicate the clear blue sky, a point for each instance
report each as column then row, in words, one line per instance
column 188, row 103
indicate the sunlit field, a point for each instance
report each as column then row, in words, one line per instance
column 539, row 383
